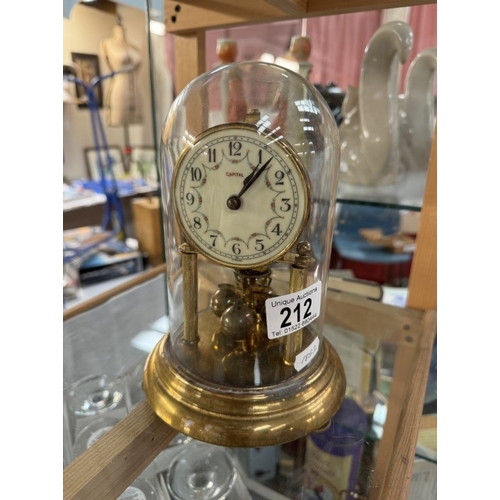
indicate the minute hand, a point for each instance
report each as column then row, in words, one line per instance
column 248, row 181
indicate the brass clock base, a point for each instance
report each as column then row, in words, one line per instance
column 254, row 417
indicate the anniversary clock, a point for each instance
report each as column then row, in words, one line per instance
column 248, row 195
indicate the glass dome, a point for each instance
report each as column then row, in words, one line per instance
column 250, row 162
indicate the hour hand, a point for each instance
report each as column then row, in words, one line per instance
column 234, row 201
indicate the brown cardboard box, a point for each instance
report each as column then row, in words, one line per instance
column 148, row 229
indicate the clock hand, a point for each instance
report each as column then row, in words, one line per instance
column 250, row 179
column 234, row 202
column 250, row 175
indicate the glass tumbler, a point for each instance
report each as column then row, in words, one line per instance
column 140, row 489
column 94, row 397
column 133, row 380
column 205, row 472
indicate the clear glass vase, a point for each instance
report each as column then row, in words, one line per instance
column 205, row 472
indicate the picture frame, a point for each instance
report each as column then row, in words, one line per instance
column 87, row 68
column 143, row 164
column 92, row 162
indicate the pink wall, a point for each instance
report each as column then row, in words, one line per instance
column 338, row 42
column 423, row 20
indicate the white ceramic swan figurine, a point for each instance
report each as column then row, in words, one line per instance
column 417, row 111
column 369, row 131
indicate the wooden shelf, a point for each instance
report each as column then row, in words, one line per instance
column 185, row 16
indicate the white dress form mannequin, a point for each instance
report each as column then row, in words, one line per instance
column 122, row 100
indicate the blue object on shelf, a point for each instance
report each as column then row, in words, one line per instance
column 351, row 245
column 113, row 212
column 124, row 187
column 344, row 440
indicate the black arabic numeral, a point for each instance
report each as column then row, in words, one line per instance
column 212, row 155
column 286, row 205
column 259, row 159
column 279, row 174
column 236, row 249
column 196, row 174
column 297, row 311
column 276, row 229
column 287, row 312
column 259, row 246
column 235, row 148
column 308, row 304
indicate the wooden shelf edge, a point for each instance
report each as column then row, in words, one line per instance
column 187, row 16
column 397, row 480
column 105, row 296
column 294, row 8
column 183, row 18
column 422, row 287
column 371, row 318
column 108, row 467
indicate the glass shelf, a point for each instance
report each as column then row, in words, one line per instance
column 406, row 194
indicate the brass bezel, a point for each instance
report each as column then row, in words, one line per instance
column 287, row 149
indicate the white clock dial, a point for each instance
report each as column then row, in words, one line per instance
column 242, row 196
